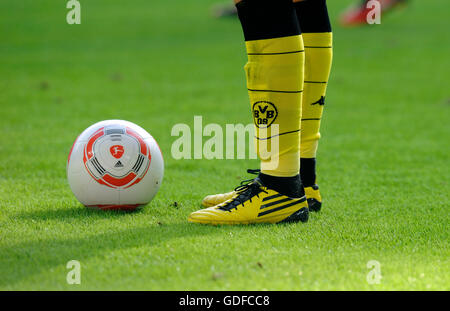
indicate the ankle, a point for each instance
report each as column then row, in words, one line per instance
column 288, row 186
column 308, row 171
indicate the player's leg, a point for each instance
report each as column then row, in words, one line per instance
column 275, row 84
column 317, row 37
column 315, row 25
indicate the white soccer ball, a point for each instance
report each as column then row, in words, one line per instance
column 115, row 164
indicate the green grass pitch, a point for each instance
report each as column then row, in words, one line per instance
column 383, row 158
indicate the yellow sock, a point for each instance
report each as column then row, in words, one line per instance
column 275, row 84
column 318, row 57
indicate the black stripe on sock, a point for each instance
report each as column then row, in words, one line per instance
column 318, row 82
column 318, row 47
column 278, row 53
column 258, row 138
column 274, row 91
column 303, row 199
column 311, row 119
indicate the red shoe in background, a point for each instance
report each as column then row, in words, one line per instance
column 356, row 16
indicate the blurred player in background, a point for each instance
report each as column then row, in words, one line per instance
column 224, row 10
column 289, row 48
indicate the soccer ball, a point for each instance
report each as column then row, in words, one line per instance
column 115, row 164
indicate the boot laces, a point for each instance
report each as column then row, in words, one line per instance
column 245, row 192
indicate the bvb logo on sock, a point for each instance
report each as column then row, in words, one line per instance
column 264, row 114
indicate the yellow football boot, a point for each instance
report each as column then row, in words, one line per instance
column 253, row 203
column 312, row 194
column 215, row 199
column 313, row 197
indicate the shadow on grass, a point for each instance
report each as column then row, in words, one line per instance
column 77, row 212
column 25, row 259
